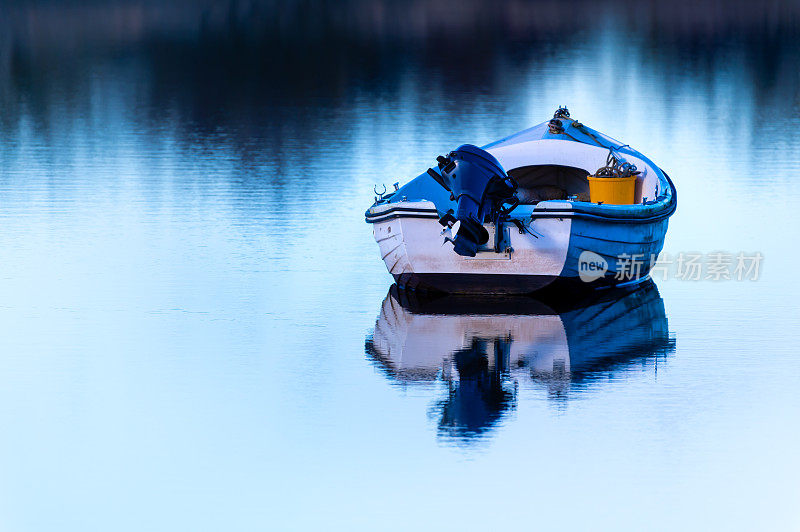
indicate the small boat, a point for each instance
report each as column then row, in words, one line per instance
column 556, row 206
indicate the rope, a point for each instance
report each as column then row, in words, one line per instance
column 615, row 166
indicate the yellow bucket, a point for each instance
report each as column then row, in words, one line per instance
column 612, row 190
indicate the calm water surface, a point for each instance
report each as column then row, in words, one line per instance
column 193, row 308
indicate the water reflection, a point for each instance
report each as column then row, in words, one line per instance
column 261, row 73
column 482, row 349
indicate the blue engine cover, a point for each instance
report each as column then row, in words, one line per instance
column 479, row 186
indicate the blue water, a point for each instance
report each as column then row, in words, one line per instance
column 188, row 285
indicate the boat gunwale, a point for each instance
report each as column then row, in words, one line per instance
column 670, row 204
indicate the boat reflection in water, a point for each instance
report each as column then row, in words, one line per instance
column 482, row 349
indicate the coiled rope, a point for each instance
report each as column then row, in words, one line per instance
column 616, row 168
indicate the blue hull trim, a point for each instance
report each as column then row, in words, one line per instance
column 628, row 249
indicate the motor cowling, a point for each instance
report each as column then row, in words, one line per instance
column 480, row 187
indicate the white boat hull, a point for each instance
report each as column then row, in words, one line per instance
column 416, row 254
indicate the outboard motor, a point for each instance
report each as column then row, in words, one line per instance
column 481, row 187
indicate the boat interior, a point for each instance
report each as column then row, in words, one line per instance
column 544, row 182
column 550, row 182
